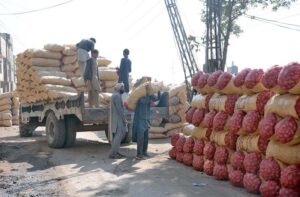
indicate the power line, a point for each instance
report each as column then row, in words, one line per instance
column 37, row 10
column 269, row 20
column 130, row 13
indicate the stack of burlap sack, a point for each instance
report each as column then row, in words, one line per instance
column 177, row 101
column 44, row 75
column 108, row 79
column 9, row 109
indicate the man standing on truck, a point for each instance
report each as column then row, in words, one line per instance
column 124, row 70
column 91, row 78
column 141, row 123
column 83, row 49
column 118, row 121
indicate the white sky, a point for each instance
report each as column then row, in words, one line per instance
column 143, row 26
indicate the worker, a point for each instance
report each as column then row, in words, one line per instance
column 124, row 70
column 118, row 121
column 141, row 123
column 91, row 78
column 83, row 48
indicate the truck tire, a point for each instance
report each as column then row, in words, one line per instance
column 55, row 131
column 71, row 125
column 128, row 137
column 26, row 130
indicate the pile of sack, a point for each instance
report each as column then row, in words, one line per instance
column 9, row 109
column 108, row 79
column 40, row 74
column 245, row 129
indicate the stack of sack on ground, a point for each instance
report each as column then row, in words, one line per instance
column 40, row 76
column 177, row 100
column 9, row 109
column 251, row 140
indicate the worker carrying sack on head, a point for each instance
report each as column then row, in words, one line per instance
column 83, row 49
column 91, row 78
column 124, row 70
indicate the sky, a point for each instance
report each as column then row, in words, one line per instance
column 143, row 26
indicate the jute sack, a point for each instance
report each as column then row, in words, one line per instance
column 5, row 107
column 46, row 69
column 78, row 82
column 60, row 88
column 6, row 111
column 172, row 132
column 284, row 153
column 103, row 62
column 217, row 102
column 105, row 98
column 54, row 80
column 156, row 121
column 174, row 100
column 218, row 138
column 15, row 122
column 171, row 126
column 56, row 94
column 158, row 130
column 201, row 133
column 182, row 97
column 296, row 137
column 108, row 75
column 259, row 87
column 176, row 109
column 140, row 92
column 176, row 90
column 6, row 95
column 69, row 59
column 188, row 130
column 15, row 111
column 175, row 118
column 51, row 73
column 43, row 62
column 15, row 117
column 199, row 101
column 283, row 105
column 70, row 75
column 157, row 136
column 109, row 84
column 69, row 67
column 5, row 116
column 69, row 51
column 230, row 88
column 5, row 101
column 248, row 143
column 6, row 123
column 246, row 103
column 40, row 53
column 54, row 47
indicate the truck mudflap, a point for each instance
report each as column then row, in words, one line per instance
column 67, row 106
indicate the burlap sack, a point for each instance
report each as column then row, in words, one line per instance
column 103, row 62
column 69, row 67
column 108, row 84
column 231, row 88
column 296, row 138
column 105, row 98
column 248, row 143
column 206, row 90
column 54, row 80
column 218, row 102
column 176, row 109
column 54, row 47
column 6, row 95
column 15, row 122
column 175, row 118
column 69, row 59
column 284, row 153
column 15, row 111
column 5, row 107
column 45, row 68
column 200, row 133
column 283, row 105
column 109, row 90
column 188, row 129
column 170, row 126
column 39, row 53
column 5, row 101
column 56, row 94
column 78, row 82
column 43, row 62
column 182, row 97
column 259, row 87
column 174, row 100
column 140, row 92
column 157, row 136
column 246, row 103
column 69, row 51
column 158, row 130
column 199, row 101
column 5, row 116
column 70, row 75
column 78, row 73
column 15, row 117
column 108, row 75
column 218, row 137
column 51, row 73
column 176, row 90
column 172, row 132
column 60, row 88
column 6, row 123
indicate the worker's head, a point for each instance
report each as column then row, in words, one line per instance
column 125, row 52
column 93, row 40
column 95, row 53
column 120, row 87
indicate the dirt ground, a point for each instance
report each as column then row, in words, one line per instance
column 28, row 167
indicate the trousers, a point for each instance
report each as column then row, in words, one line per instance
column 117, row 139
column 142, row 142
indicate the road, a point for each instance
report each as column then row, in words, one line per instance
column 28, row 167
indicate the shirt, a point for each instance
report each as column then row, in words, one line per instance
column 87, row 45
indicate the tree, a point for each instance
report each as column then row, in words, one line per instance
column 230, row 11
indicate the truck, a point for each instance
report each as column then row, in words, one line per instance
column 65, row 117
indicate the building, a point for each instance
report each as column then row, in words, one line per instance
column 7, row 64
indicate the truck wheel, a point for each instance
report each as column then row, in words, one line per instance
column 128, row 137
column 71, row 125
column 55, row 131
column 26, row 130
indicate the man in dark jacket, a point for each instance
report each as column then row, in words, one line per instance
column 125, row 69
column 83, row 49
